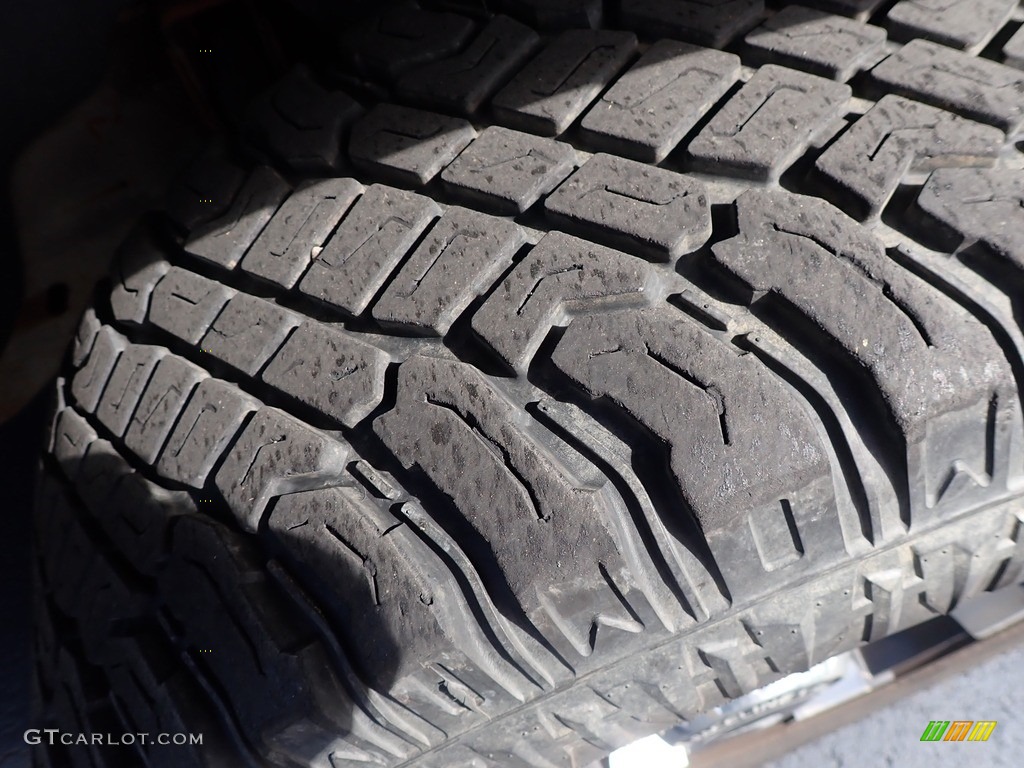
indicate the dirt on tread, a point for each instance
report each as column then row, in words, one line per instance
column 595, row 376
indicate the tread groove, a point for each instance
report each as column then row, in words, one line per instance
column 463, row 489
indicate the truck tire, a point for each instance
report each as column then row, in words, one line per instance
column 531, row 382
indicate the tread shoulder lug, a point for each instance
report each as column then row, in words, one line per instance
column 895, row 136
column 653, row 212
column 652, row 107
column 553, row 90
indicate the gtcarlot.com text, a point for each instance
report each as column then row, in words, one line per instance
column 52, row 736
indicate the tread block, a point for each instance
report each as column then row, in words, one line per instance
column 104, row 603
column 101, row 470
column 656, row 213
column 306, row 742
column 705, row 22
column 276, row 454
column 768, row 124
column 247, row 332
column 463, row 82
column 557, row 14
column 856, row 8
column 817, row 42
column 485, row 454
column 978, row 205
column 508, row 171
column 407, row 146
column 302, row 123
column 333, row 372
column 298, row 230
column 370, row 242
column 956, row 23
column 468, row 681
column 204, row 192
column 134, row 512
column 458, row 260
column 652, row 107
column 1012, row 546
column 973, row 87
column 364, row 553
column 58, row 402
column 736, row 468
column 404, row 36
column 89, row 381
column 561, row 275
column 887, row 322
column 185, row 304
column 553, row 90
column 126, row 384
column 224, row 240
column 85, row 336
column 67, row 564
column 899, row 135
column 731, row 666
column 944, row 572
column 140, row 265
column 160, row 696
column 160, row 405
column 81, row 698
column 213, row 416
column 147, row 511
column 1013, row 51
column 583, row 726
column 72, row 439
column 263, row 664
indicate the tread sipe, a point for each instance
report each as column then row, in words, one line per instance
column 619, row 359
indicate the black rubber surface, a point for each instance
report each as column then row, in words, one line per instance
column 575, row 382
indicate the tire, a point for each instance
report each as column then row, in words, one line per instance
column 572, row 388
